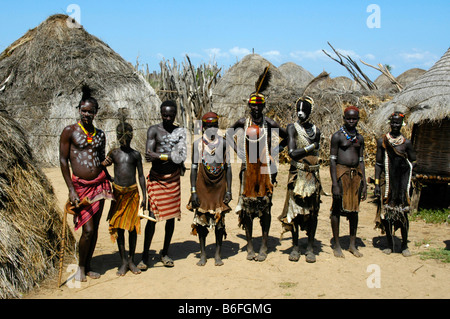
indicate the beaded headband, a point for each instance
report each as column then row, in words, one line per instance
column 210, row 117
column 257, row 99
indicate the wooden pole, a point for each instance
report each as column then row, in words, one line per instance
column 63, row 248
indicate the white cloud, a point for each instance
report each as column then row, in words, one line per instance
column 216, row 53
column 307, row 55
column 349, row 53
column 239, row 52
column 272, row 55
column 417, row 56
column 370, row 56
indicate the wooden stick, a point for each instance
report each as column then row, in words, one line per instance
column 63, row 248
column 143, row 215
column 386, row 72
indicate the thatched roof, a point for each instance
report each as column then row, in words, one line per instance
column 30, row 221
column 295, row 74
column 426, row 99
column 231, row 93
column 340, row 84
column 41, row 76
column 384, row 84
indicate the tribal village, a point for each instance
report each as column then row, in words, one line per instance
column 58, row 65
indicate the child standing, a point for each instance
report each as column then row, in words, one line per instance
column 123, row 214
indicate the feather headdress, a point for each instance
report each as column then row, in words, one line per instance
column 260, row 86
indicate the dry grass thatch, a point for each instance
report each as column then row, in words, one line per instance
column 41, row 76
column 426, row 99
column 30, row 221
column 384, row 84
column 295, row 74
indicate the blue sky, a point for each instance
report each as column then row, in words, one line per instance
column 403, row 34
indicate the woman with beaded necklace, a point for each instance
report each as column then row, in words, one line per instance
column 348, row 178
column 395, row 161
column 211, row 179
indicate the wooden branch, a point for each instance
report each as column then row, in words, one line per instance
column 365, row 82
column 386, row 72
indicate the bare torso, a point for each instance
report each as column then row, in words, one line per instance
column 86, row 158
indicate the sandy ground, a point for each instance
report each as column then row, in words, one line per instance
column 373, row 276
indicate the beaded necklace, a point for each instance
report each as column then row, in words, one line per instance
column 212, row 152
column 352, row 139
column 395, row 141
column 89, row 136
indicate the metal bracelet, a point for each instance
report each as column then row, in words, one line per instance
column 310, row 148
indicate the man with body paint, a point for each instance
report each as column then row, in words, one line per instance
column 82, row 146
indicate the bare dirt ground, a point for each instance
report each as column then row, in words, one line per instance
column 374, row 276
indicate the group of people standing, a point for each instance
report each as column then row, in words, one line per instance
column 82, row 149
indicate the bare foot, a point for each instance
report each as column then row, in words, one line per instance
column 142, row 265
column 310, row 257
column 80, row 275
column 294, row 255
column 202, row 261
column 135, row 270
column 93, row 275
column 355, row 252
column 406, row 252
column 122, row 270
column 387, row 251
column 251, row 255
column 218, row 261
column 261, row 256
column 338, row 252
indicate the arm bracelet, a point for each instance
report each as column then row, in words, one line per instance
column 164, row 157
column 377, row 181
column 193, row 190
column 310, row 148
column 333, row 157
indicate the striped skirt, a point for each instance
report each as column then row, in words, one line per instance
column 124, row 210
column 164, row 195
column 95, row 190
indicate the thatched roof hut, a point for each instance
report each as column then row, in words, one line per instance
column 426, row 103
column 41, row 76
column 30, row 221
column 295, row 74
column 340, row 84
column 231, row 93
column 406, row 78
